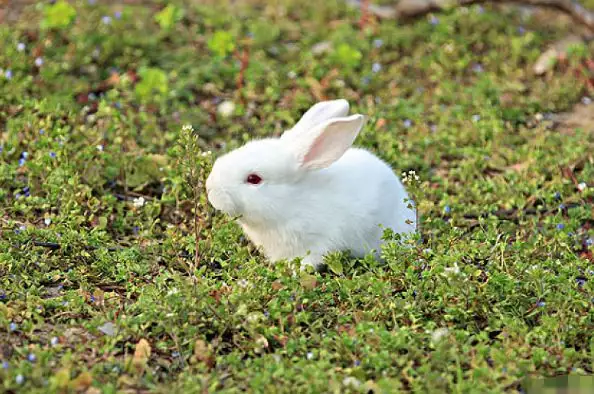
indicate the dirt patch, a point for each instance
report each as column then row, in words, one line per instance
column 580, row 117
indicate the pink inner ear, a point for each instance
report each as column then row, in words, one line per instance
column 329, row 146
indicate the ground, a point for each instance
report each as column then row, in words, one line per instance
column 101, row 201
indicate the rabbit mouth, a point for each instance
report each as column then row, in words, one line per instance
column 222, row 202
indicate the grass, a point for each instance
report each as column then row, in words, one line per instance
column 101, row 288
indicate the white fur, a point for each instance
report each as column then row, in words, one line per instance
column 318, row 194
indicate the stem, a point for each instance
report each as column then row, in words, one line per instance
column 364, row 14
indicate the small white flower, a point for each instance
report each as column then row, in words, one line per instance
column 138, row 202
column 47, row 221
column 351, row 381
column 187, row 127
column 173, row 291
column 207, row 153
column 243, row 283
column 438, row 334
column 226, row 108
column 100, row 148
column 20, row 47
column 310, row 355
column 292, row 74
column 453, row 270
column 582, row 186
column 39, row 62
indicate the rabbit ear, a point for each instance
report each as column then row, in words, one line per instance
column 326, row 143
column 318, row 114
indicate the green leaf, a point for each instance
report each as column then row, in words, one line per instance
column 59, row 15
column 168, row 16
column 347, row 56
column 152, row 80
column 221, row 43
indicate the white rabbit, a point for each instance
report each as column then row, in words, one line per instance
column 309, row 192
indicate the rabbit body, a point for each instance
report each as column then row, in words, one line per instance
column 309, row 192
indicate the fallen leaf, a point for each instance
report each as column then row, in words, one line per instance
column 142, row 353
column 558, row 50
column 82, row 381
column 203, row 353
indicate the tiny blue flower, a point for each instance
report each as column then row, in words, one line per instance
column 357, row 363
column 2, row 295
column 13, row 327
column 54, row 341
column 175, row 354
column 477, row 68
column 26, row 189
column 560, row 226
column 580, row 282
column 433, row 20
column 586, row 100
column 18, row 195
column 21, row 162
column 378, row 42
column 5, row 365
column 106, row 20
column 118, row 14
column 20, row 47
column 407, row 123
column 541, row 304
column 447, row 209
column 52, row 155
column 589, row 242
column 557, row 196
column 376, row 67
column 8, row 74
column 521, row 30
column 365, row 80
column 92, row 298
column 31, row 357
column 39, row 62
column 476, row 118
column 562, row 206
column 19, row 379
column 266, row 313
column 1, row 148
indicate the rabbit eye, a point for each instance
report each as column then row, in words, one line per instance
column 253, row 179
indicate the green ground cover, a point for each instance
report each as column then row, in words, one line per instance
column 100, row 286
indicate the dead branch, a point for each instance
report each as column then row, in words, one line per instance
column 416, row 8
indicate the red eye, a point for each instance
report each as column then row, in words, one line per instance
column 253, row 179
